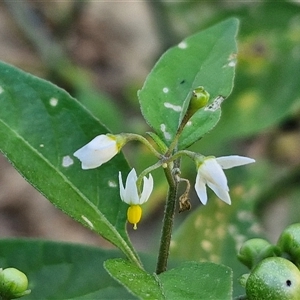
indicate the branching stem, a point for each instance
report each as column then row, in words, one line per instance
column 137, row 137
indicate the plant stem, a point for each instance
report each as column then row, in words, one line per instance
column 137, row 137
column 145, row 172
column 168, row 221
column 178, row 133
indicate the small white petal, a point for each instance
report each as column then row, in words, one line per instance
column 122, row 189
column 227, row 162
column 131, row 192
column 212, row 172
column 147, row 189
column 97, row 152
column 201, row 189
column 221, row 193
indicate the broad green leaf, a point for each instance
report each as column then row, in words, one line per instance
column 205, row 59
column 192, row 280
column 136, row 280
column 267, row 85
column 215, row 232
column 61, row 270
column 40, row 128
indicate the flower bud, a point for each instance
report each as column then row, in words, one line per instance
column 289, row 243
column 99, row 150
column 198, row 100
column 13, row 283
column 255, row 250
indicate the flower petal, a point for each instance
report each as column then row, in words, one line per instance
column 201, row 189
column 98, row 151
column 122, row 189
column 227, row 162
column 131, row 192
column 147, row 189
column 212, row 172
column 220, row 192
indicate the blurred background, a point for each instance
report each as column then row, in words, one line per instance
column 101, row 53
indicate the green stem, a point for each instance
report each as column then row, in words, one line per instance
column 180, row 153
column 145, row 172
column 167, row 222
column 178, row 133
column 174, row 142
column 137, row 137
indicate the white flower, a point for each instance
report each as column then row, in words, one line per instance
column 130, row 195
column 210, row 173
column 98, row 151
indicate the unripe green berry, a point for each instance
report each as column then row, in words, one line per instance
column 255, row 250
column 13, row 283
column 289, row 243
column 274, row 278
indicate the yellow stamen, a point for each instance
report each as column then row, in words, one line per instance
column 134, row 214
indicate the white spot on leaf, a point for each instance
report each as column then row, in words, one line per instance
column 214, row 258
column 182, row 45
column 163, row 128
column 237, row 236
column 206, row 245
column 216, row 104
column 165, row 90
column 112, row 184
column 244, row 215
column 67, row 161
column 231, row 61
column 176, row 108
column 87, row 221
column 53, row 102
column 198, row 223
column 173, row 244
column 189, row 123
column 1, row 90
column 42, row 145
column 255, row 228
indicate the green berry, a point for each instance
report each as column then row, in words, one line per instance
column 274, row 278
column 289, row 242
column 255, row 250
column 13, row 283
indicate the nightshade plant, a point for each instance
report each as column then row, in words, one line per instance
column 68, row 155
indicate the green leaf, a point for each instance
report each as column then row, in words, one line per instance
column 192, row 280
column 40, row 128
column 136, row 280
column 267, row 85
column 205, row 59
column 62, row 271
